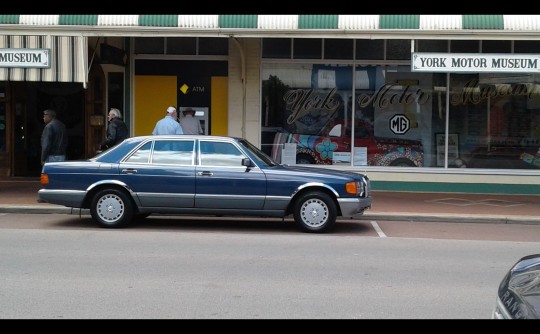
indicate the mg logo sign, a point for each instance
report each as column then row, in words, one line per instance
column 399, row 124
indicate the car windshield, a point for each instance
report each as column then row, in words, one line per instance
column 258, row 153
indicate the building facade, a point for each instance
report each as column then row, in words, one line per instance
column 418, row 102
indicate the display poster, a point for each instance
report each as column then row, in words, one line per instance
column 360, row 156
column 453, row 148
column 288, row 155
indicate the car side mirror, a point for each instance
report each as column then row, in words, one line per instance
column 247, row 162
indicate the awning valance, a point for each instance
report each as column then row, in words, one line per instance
column 272, row 25
column 68, row 58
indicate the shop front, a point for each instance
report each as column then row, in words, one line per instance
column 470, row 110
column 365, row 93
column 36, row 73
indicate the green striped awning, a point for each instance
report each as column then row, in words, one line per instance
column 350, row 22
column 263, row 24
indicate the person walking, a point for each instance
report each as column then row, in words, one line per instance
column 190, row 125
column 54, row 138
column 117, row 130
column 168, row 124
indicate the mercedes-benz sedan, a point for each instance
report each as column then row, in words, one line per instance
column 206, row 175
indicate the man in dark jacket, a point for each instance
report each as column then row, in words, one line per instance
column 117, row 130
column 53, row 139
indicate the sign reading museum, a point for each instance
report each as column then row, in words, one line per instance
column 474, row 62
column 35, row 58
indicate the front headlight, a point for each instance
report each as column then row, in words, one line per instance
column 358, row 188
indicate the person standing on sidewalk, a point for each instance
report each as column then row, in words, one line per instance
column 53, row 139
column 117, row 130
column 190, row 125
column 168, row 124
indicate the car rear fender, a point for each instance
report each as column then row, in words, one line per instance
column 109, row 184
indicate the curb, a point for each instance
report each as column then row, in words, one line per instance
column 396, row 216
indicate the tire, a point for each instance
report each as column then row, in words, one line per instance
column 315, row 212
column 112, row 208
column 304, row 159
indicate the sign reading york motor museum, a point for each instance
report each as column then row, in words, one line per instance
column 474, row 62
column 35, row 58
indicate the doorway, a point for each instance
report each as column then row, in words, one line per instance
column 29, row 101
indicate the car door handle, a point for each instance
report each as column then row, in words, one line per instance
column 205, row 173
column 129, row 171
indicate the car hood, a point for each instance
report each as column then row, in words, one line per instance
column 519, row 291
column 318, row 171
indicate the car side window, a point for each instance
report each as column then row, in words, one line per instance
column 220, row 154
column 142, row 155
column 177, row 152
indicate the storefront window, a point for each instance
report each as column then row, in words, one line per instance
column 301, row 103
column 308, row 108
column 526, row 47
column 338, row 48
column 464, row 46
column 496, row 46
column 398, row 49
column 149, row 45
column 370, row 49
column 306, row 48
column 495, row 120
column 213, row 46
column 390, row 116
column 429, row 45
column 393, row 105
column 277, row 48
column 2, row 127
column 181, row 45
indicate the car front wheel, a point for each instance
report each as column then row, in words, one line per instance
column 315, row 212
column 111, row 208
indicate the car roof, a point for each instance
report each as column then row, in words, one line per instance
column 145, row 137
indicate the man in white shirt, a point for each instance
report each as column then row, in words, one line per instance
column 168, row 124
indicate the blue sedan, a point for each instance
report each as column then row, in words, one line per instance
column 210, row 175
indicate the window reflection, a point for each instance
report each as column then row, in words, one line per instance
column 387, row 115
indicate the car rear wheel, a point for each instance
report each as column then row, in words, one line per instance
column 315, row 212
column 111, row 208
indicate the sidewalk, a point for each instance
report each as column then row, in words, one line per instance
column 19, row 195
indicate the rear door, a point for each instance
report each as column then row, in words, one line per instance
column 162, row 173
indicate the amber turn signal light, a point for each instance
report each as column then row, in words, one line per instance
column 351, row 188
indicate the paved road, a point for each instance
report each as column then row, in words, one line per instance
column 369, row 228
column 64, row 267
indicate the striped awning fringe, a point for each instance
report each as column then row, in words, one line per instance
column 286, row 22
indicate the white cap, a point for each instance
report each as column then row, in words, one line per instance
column 170, row 110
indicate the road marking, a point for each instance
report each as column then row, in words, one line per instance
column 378, row 229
